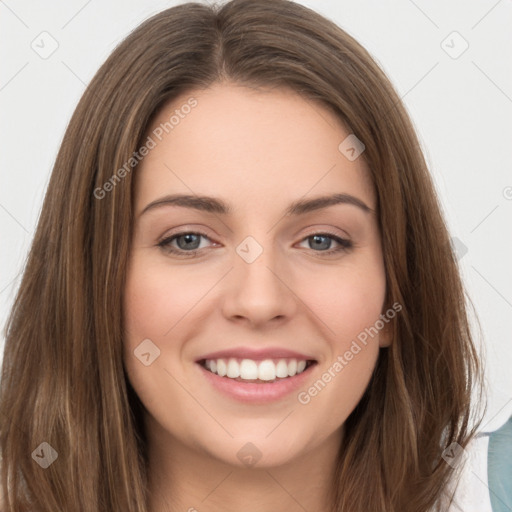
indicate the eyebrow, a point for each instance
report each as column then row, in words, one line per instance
column 214, row 205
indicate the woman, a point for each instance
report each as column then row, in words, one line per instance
column 312, row 352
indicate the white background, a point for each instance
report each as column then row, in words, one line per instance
column 461, row 107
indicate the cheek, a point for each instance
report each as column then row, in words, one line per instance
column 348, row 300
column 157, row 306
column 158, row 298
column 350, row 311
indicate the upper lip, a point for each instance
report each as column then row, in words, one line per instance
column 256, row 354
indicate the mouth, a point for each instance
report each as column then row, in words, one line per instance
column 256, row 376
column 251, row 371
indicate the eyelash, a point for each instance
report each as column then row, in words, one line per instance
column 344, row 244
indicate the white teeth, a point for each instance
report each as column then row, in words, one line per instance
column 233, row 369
column 282, row 369
column 247, row 369
column 221, row 367
column 292, row 367
column 267, row 370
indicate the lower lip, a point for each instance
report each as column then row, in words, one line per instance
column 251, row 392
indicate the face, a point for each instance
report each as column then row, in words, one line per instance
column 281, row 299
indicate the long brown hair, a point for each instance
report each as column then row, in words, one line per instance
column 63, row 382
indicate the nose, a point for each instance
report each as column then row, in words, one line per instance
column 259, row 291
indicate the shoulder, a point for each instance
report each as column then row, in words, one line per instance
column 499, row 467
column 472, row 488
column 486, row 475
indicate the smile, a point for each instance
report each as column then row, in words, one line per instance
column 256, row 382
column 249, row 370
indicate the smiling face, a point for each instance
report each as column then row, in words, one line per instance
column 262, row 283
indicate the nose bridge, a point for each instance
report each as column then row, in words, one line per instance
column 256, row 263
column 258, row 291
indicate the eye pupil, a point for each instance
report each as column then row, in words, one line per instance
column 189, row 237
column 326, row 239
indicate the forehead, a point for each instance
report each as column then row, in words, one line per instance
column 249, row 145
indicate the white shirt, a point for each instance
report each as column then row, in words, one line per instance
column 472, row 493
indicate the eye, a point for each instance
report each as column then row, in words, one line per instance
column 188, row 243
column 323, row 242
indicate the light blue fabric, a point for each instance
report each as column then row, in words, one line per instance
column 499, row 468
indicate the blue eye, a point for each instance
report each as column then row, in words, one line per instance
column 320, row 240
column 188, row 243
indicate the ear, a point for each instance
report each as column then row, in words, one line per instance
column 385, row 335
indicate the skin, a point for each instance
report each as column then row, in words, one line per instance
column 258, row 151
